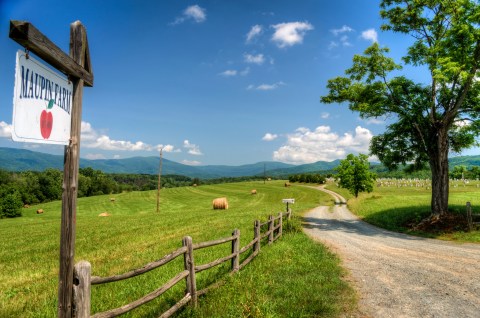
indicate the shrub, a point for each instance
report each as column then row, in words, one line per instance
column 11, row 205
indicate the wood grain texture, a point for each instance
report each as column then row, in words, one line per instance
column 33, row 40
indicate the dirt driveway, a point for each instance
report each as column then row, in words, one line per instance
column 397, row 275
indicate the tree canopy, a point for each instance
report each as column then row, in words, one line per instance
column 431, row 119
column 354, row 174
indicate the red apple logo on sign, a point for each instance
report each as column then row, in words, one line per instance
column 46, row 121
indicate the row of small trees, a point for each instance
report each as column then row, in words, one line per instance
column 31, row 187
column 307, row 178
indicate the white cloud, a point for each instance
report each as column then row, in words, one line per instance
column 245, row 72
column 94, row 156
column 255, row 31
column 92, row 139
column 233, row 73
column 104, row 142
column 343, row 29
column 5, row 130
column 270, row 137
column 116, row 156
column 167, row 148
column 375, row 121
column 342, row 33
column 258, row 59
column 345, row 41
column 229, row 73
column 289, row 34
column 265, row 87
column 332, row 45
column 306, row 146
column 325, row 115
column 370, row 35
column 459, row 123
column 192, row 148
column 194, row 13
column 191, row 162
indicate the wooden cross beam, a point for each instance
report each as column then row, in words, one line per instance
column 33, row 40
column 78, row 69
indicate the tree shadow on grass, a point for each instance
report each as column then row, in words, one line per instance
column 395, row 222
column 352, row 226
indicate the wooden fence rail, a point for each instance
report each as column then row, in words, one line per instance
column 83, row 280
column 472, row 219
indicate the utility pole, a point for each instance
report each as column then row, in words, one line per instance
column 159, row 185
column 264, row 172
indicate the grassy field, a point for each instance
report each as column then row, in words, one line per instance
column 292, row 278
column 395, row 207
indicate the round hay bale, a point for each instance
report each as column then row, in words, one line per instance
column 254, row 191
column 26, row 206
column 220, row 204
column 39, row 211
column 104, row 214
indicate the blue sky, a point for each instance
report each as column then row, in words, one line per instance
column 210, row 82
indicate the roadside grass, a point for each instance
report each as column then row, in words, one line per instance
column 394, row 208
column 311, row 283
column 135, row 234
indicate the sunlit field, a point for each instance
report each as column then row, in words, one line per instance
column 293, row 275
column 395, row 204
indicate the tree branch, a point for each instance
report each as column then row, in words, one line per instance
column 463, row 94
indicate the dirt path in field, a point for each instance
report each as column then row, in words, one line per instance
column 397, row 275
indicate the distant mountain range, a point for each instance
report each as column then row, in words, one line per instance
column 13, row 159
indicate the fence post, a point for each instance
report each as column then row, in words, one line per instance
column 280, row 215
column 235, row 249
column 256, row 235
column 270, row 229
column 81, row 289
column 189, row 264
column 469, row 216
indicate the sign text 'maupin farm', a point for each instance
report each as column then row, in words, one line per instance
column 34, row 85
column 42, row 103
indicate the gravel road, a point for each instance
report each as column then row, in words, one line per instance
column 398, row 275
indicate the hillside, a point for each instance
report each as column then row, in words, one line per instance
column 13, row 159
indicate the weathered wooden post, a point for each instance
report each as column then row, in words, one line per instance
column 78, row 48
column 270, row 229
column 256, row 235
column 235, row 249
column 189, row 264
column 469, row 216
column 159, row 184
column 82, row 289
column 280, row 217
column 77, row 67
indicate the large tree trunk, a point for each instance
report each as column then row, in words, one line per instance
column 439, row 168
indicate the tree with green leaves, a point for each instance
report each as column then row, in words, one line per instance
column 11, row 205
column 431, row 119
column 354, row 174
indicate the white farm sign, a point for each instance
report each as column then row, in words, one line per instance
column 42, row 103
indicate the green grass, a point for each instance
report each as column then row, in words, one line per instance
column 135, row 234
column 394, row 207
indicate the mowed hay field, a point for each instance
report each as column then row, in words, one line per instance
column 394, row 208
column 293, row 277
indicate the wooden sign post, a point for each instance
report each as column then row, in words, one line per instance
column 78, row 69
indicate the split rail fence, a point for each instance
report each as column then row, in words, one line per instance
column 83, row 279
column 473, row 220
